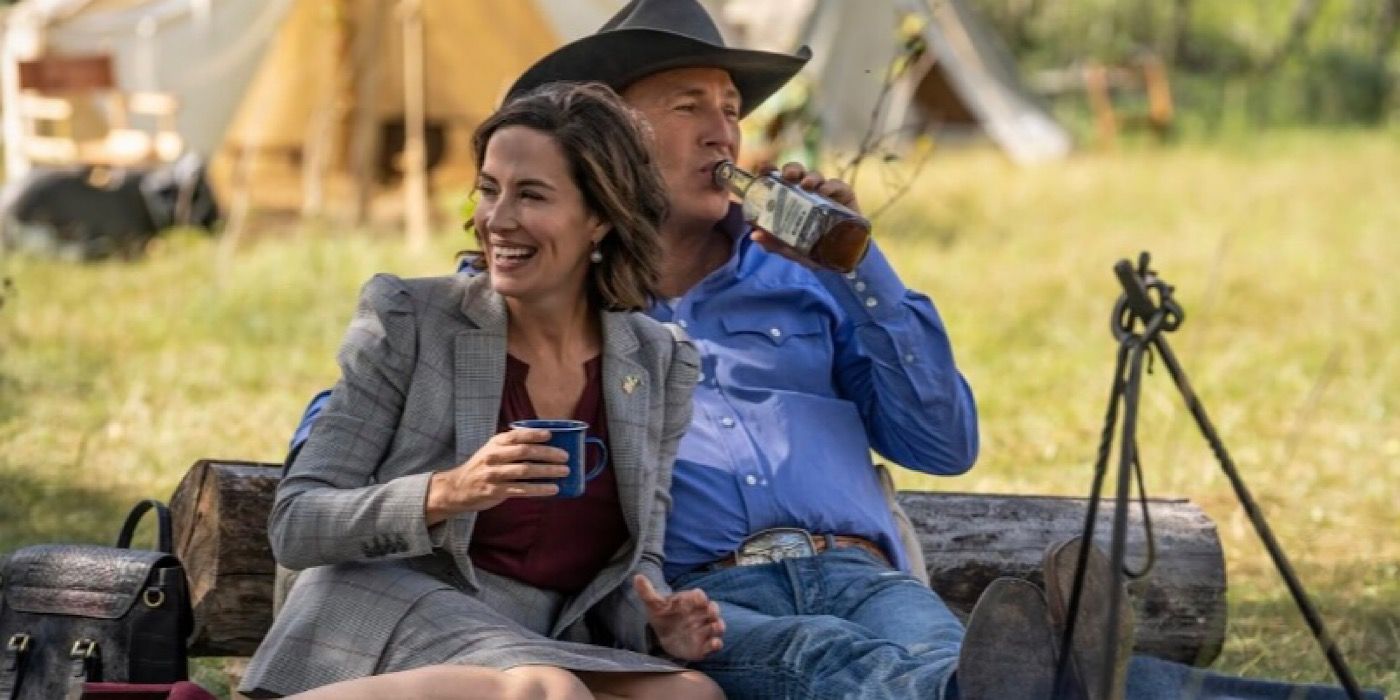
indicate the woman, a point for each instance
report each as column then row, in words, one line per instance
column 442, row 566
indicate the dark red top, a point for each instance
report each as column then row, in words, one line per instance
column 554, row 544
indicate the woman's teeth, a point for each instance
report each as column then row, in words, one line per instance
column 514, row 253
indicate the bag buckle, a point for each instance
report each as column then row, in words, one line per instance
column 84, row 665
column 774, row 545
column 19, row 643
column 83, row 649
column 153, row 597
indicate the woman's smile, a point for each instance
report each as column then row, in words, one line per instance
column 508, row 257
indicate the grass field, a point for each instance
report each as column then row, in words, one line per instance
column 1284, row 248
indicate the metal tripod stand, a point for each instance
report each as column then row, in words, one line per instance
column 1140, row 323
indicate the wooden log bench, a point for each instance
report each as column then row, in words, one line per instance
column 221, row 507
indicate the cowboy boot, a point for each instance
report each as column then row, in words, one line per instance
column 1088, row 650
column 1009, row 650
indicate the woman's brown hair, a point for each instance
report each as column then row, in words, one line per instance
column 605, row 144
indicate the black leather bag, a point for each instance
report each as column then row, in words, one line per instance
column 72, row 613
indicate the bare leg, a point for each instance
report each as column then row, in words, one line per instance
column 450, row 682
column 682, row 685
column 547, row 683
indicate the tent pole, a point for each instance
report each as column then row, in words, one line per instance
column 415, row 179
column 369, row 22
column 321, row 131
column 240, row 207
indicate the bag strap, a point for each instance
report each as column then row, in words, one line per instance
column 84, row 666
column 12, row 665
column 134, row 517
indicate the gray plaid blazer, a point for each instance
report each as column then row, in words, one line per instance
column 423, row 365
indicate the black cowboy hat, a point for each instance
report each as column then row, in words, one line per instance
column 649, row 36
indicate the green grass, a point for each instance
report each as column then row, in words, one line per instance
column 114, row 378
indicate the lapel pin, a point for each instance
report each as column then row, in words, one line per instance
column 629, row 384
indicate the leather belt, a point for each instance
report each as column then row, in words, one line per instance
column 779, row 543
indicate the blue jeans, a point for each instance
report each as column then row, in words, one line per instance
column 838, row 625
column 843, row 625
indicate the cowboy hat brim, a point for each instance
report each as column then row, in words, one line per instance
column 620, row 57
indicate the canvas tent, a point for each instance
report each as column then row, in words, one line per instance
column 960, row 76
column 471, row 53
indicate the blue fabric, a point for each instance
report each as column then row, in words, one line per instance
column 308, row 418
column 837, row 625
column 803, row 372
column 1154, row 679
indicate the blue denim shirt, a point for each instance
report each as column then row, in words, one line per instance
column 803, row 373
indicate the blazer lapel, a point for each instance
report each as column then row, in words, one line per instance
column 626, row 391
column 479, row 367
column 479, row 370
column 626, row 388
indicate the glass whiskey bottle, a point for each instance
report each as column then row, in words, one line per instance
column 829, row 234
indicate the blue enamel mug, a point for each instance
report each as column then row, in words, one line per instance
column 570, row 436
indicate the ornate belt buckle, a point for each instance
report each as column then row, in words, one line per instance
column 774, row 545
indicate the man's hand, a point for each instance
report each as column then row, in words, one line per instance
column 687, row 624
column 812, row 181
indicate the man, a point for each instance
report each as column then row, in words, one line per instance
column 777, row 512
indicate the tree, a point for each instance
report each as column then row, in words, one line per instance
column 1387, row 30
column 1304, row 15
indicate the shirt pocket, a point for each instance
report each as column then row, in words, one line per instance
column 776, row 331
column 774, row 352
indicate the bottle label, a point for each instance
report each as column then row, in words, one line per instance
column 791, row 217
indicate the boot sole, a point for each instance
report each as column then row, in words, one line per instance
column 1009, row 650
column 1091, row 630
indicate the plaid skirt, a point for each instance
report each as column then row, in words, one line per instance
column 350, row 621
column 505, row 625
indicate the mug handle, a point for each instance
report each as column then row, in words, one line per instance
column 597, row 468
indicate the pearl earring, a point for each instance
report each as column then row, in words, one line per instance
column 596, row 256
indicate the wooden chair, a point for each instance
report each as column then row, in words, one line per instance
column 48, row 129
column 1146, row 76
column 61, row 96
column 161, row 142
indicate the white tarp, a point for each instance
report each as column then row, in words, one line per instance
column 853, row 44
column 203, row 51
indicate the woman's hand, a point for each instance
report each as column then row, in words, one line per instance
column 687, row 624
column 503, row 468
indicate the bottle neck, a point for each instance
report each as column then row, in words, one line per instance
column 733, row 178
